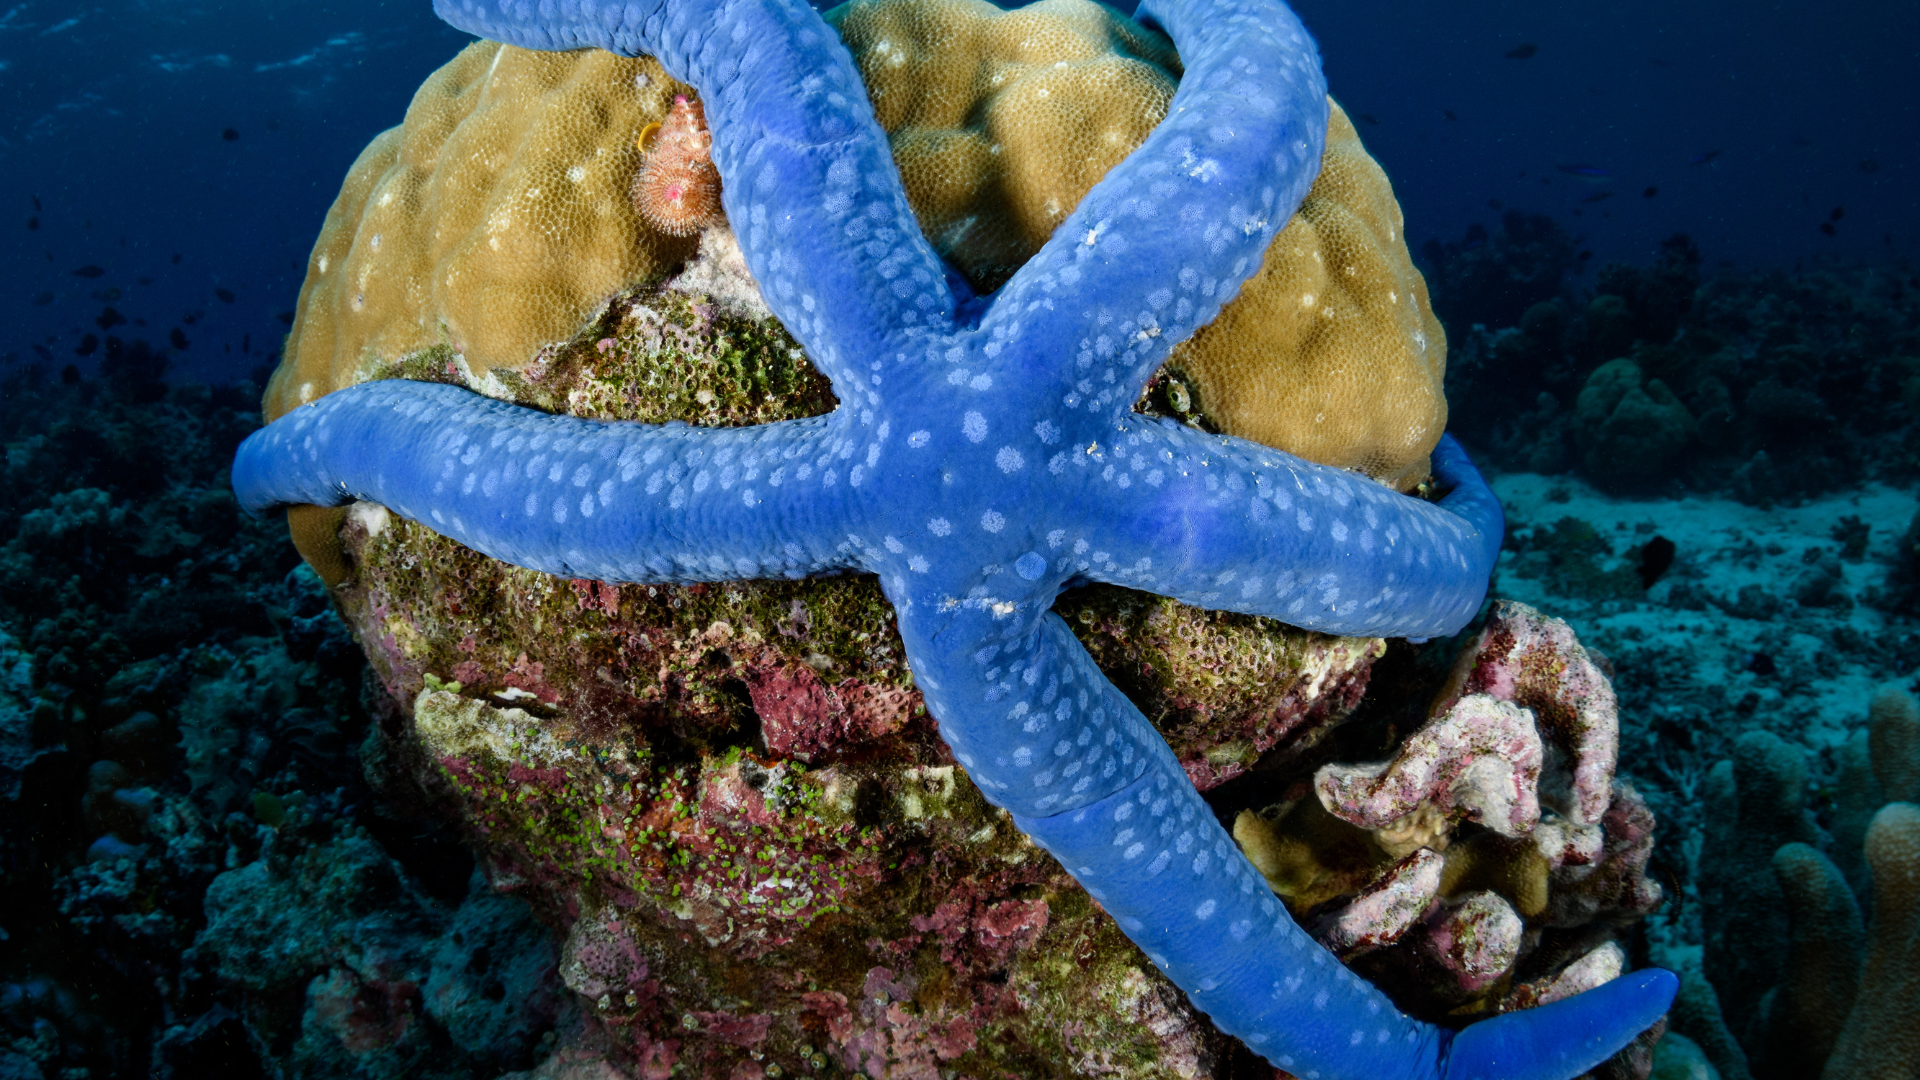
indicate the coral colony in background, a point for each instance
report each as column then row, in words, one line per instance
column 984, row 455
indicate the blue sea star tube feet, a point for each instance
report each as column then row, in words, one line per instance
column 983, row 458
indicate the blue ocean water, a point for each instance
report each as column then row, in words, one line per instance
column 1751, row 130
column 1674, row 245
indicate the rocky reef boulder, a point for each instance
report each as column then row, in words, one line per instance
column 730, row 801
column 1631, row 430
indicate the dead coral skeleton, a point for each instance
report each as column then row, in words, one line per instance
column 1519, row 751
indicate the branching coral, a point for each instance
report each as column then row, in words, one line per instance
column 1805, row 988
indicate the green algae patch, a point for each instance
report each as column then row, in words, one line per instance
column 747, row 854
column 1225, row 689
column 653, row 354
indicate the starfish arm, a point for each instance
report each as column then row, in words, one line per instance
column 1170, row 234
column 1223, row 523
column 614, row 501
column 1158, row 861
column 1021, row 704
column 1564, row 1038
column 1043, row 733
column 809, row 180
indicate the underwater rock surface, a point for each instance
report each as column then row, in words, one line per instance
column 195, row 878
column 733, row 804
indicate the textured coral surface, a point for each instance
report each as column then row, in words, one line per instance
column 1001, row 121
column 1458, row 870
column 496, row 219
column 717, row 782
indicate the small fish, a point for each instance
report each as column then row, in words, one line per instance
column 1703, row 157
column 1370, row 118
column 1448, row 113
column 33, row 224
column 1495, row 204
column 1837, row 213
column 176, row 258
column 229, row 134
column 225, row 295
column 109, row 318
column 36, row 203
column 66, row 24
column 90, row 271
column 86, row 346
column 144, row 280
column 189, row 318
column 246, row 344
column 1827, row 227
column 1590, row 172
column 178, row 338
column 1869, row 166
column 1522, row 51
column 45, row 353
column 285, row 317
column 1650, row 193
column 43, row 299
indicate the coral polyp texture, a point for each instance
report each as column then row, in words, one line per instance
column 495, row 219
column 983, row 456
column 492, row 219
column 1001, row 121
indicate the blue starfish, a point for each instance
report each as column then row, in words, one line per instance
column 984, row 457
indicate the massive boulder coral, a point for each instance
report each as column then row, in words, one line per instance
column 711, row 782
column 1002, row 120
column 496, row 220
column 705, row 784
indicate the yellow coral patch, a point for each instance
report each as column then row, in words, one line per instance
column 494, row 219
column 1001, row 121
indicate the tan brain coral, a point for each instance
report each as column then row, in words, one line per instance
column 496, row 219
